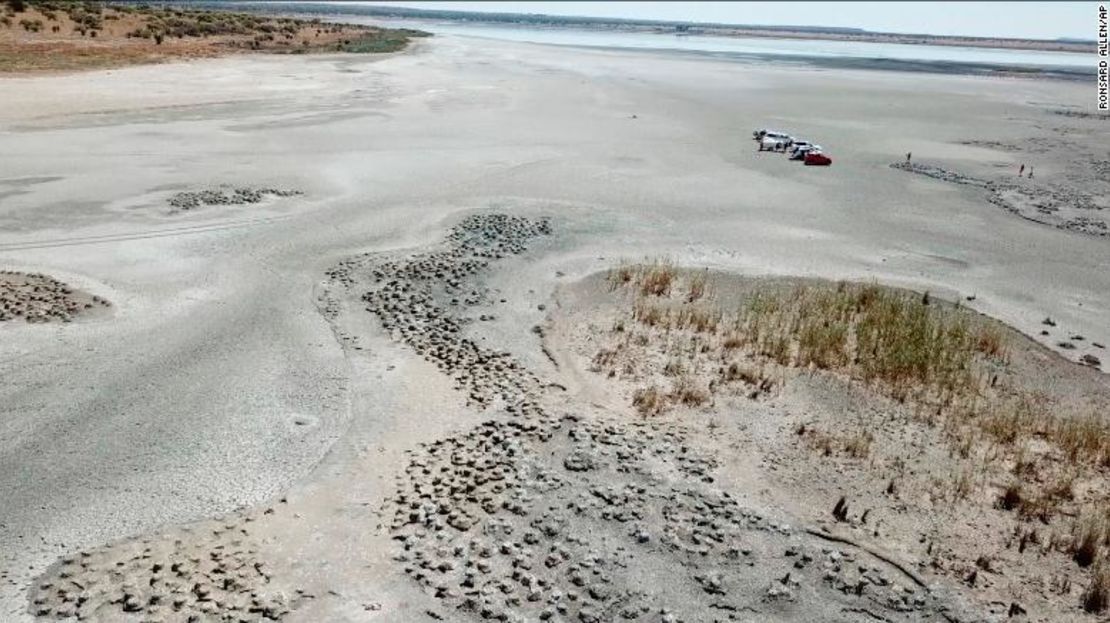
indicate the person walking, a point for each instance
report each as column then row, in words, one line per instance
column 908, row 155
column 1021, row 170
column 1030, row 172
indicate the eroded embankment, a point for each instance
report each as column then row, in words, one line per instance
column 905, row 421
column 577, row 514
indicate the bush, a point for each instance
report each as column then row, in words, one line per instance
column 17, row 6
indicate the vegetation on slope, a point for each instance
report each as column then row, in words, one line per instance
column 57, row 34
column 1011, row 445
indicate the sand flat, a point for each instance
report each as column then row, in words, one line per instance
column 220, row 383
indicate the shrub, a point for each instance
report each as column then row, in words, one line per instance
column 17, row 6
column 649, row 401
column 688, row 392
column 858, row 446
column 697, row 287
column 1011, row 497
column 656, row 279
column 1090, row 534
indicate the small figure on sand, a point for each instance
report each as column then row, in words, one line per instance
column 1030, row 172
column 1022, row 170
column 909, row 154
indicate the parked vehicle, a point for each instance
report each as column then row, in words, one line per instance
column 817, row 158
column 795, row 149
column 799, row 144
column 759, row 135
column 798, row 152
column 770, row 143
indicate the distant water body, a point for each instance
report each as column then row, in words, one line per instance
column 801, row 48
column 898, row 56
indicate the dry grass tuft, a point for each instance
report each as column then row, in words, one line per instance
column 1046, row 502
column 1096, row 598
column 697, row 287
column 649, row 401
column 1091, row 534
column 656, row 279
column 651, row 314
column 1083, row 437
column 620, row 276
column 856, row 445
column 882, row 336
column 686, row 391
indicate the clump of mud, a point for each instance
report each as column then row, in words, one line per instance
column 190, row 200
column 38, row 298
column 173, row 577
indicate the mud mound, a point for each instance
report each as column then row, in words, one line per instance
column 414, row 298
column 176, row 577
column 602, row 521
column 36, row 297
column 185, row 201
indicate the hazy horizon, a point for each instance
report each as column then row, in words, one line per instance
column 1028, row 20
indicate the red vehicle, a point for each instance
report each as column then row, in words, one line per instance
column 817, row 158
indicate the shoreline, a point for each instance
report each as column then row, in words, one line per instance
column 598, row 24
column 951, row 68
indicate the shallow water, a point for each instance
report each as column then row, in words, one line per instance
column 761, row 46
column 722, row 46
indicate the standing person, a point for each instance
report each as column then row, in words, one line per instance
column 1022, row 170
column 1030, row 172
column 908, row 155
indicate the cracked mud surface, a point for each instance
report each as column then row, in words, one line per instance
column 546, row 509
column 551, row 515
column 225, row 196
column 35, row 297
column 1063, row 205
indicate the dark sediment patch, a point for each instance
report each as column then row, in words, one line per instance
column 1057, row 205
column 38, row 298
column 190, row 200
